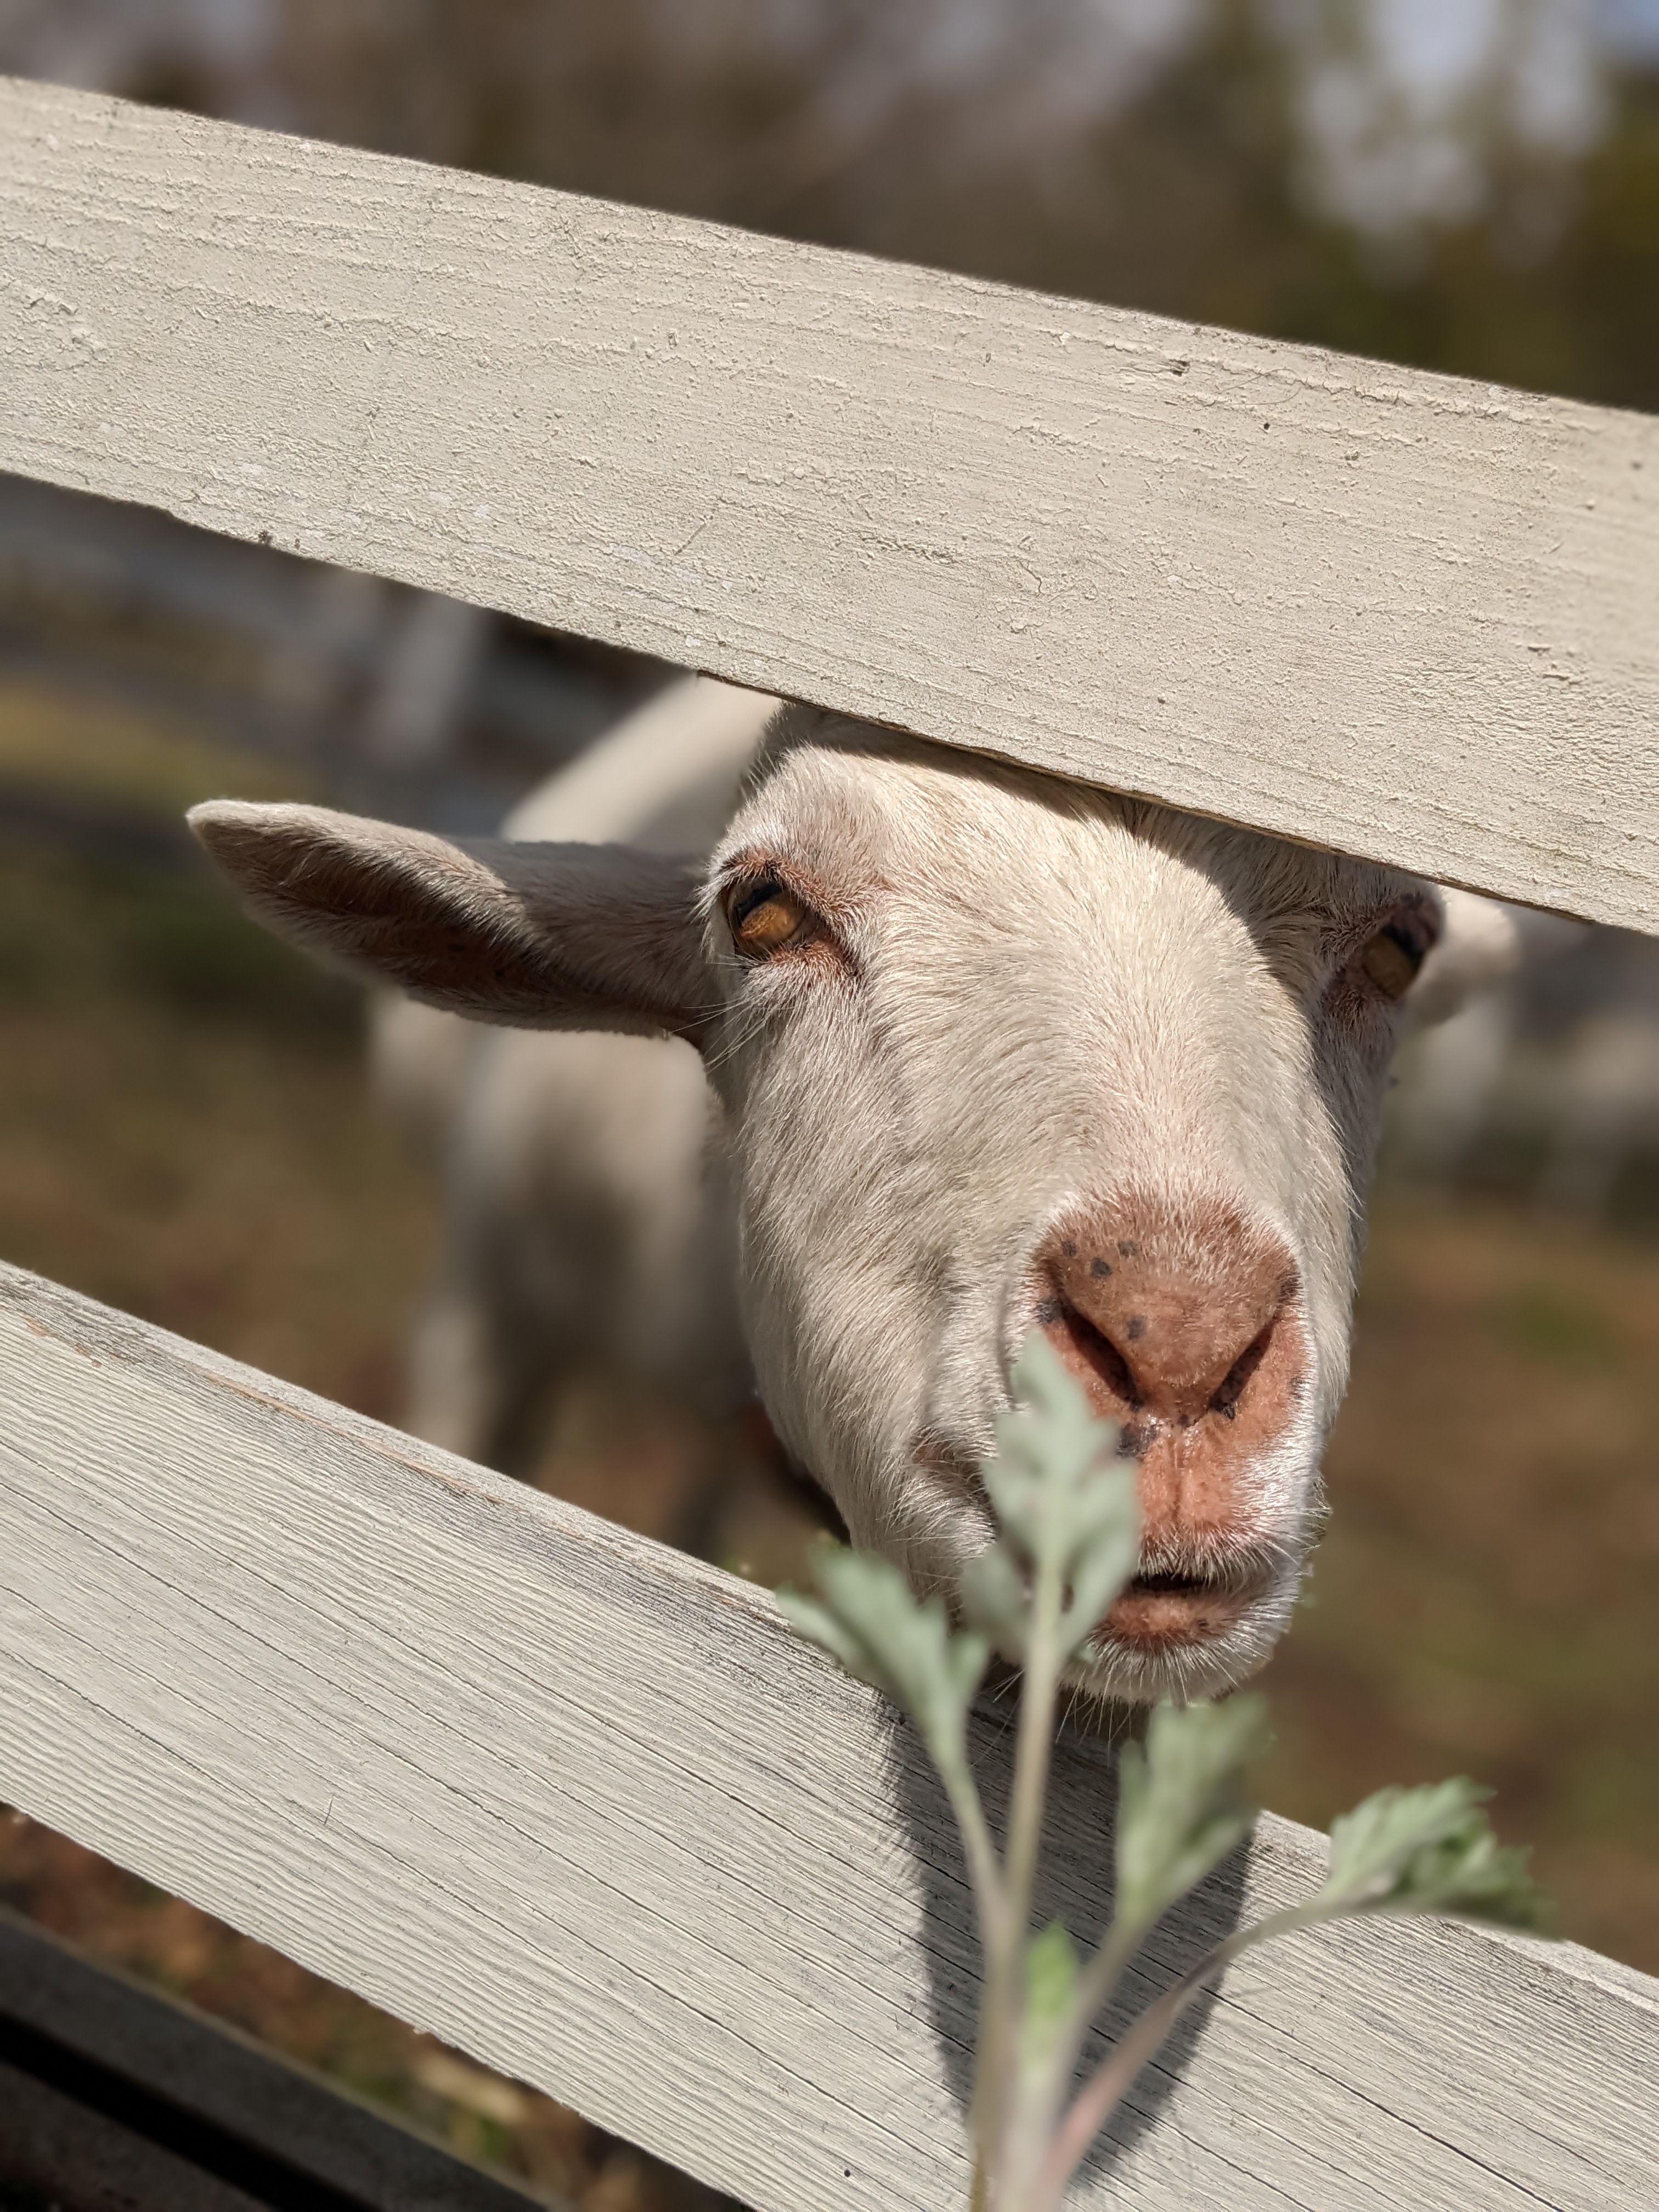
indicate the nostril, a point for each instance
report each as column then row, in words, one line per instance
column 1234, row 1382
column 1174, row 1320
column 1062, row 1320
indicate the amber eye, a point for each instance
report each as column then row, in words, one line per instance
column 1393, row 958
column 765, row 915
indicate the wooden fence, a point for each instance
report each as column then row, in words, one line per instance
column 575, row 1803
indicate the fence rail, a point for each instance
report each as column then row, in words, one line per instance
column 586, row 1809
column 1411, row 618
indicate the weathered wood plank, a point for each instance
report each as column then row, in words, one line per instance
column 1411, row 618
column 585, row 1808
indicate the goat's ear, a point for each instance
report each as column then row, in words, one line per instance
column 1482, row 942
column 535, row 936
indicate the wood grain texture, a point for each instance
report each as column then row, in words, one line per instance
column 1408, row 616
column 586, row 1809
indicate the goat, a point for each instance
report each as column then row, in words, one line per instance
column 989, row 1051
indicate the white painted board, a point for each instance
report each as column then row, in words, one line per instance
column 586, row 1809
column 1411, row 618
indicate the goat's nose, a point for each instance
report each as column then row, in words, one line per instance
column 1182, row 1323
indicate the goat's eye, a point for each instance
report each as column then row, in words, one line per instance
column 1393, row 958
column 765, row 915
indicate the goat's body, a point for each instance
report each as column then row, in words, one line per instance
column 586, row 1224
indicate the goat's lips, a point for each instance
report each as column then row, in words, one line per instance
column 1159, row 1611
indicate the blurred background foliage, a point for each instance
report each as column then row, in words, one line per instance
column 1470, row 186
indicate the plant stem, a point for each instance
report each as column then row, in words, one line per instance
column 985, row 1873
column 998, row 2077
column 1100, row 2094
column 1100, row 1977
column 1104, row 2091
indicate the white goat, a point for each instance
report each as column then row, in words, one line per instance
column 990, row 1051
column 587, row 1220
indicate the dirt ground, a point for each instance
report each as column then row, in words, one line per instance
column 1487, row 1599
column 185, row 1131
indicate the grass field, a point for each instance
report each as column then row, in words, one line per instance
column 185, row 1131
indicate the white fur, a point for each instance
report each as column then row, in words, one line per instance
column 1060, row 991
column 1038, row 995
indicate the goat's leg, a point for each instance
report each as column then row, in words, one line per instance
column 476, row 1385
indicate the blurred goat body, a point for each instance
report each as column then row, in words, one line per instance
column 587, row 1220
column 992, row 1052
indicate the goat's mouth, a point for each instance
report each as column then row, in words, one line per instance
column 1188, row 1595
column 1165, row 1611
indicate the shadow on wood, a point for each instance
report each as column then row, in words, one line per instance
column 1076, row 1884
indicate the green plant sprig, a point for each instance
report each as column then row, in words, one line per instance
column 1068, row 1543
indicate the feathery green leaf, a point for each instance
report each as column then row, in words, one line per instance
column 1181, row 1802
column 868, row 1618
column 1430, row 1850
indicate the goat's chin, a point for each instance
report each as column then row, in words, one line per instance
column 1155, row 1660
